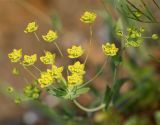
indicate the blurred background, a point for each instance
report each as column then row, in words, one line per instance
column 139, row 103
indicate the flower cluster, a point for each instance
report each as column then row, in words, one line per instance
column 50, row 76
column 31, row 27
column 50, row 36
column 77, row 68
column 29, row 60
column 32, row 92
column 49, row 58
column 15, row 55
column 56, row 72
column 133, row 38
column 46, row 79
column 75, row 52
column 53, row 79
column 75, row 79
column 109, row 49
column 77, row 72
column 88, row 17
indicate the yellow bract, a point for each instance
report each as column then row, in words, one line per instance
column 49, row 58
column 29, row 60
column 110, row 49
column 50, row 36
column 88, row 17
column 75, row 79
column 56, row 72
column 31, row 27
column 15, row 55
column 75, row 52
column 77, row 68
column 45, row 79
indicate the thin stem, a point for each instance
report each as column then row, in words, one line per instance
column 90, row 42
column 30, row 72
column 36, row 68
column 156, row 4
column 147, row 37
column 87, row 109
column 149, row 12
column 36, row 36
column 114, row 75
column 148, row 17
column 108, row 10
column 99, row 72
column 58, row 49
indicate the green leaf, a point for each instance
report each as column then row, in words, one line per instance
column 107, row 97
column 116, row 60
column 116, row 88
column 56, row 92
column 82, row 90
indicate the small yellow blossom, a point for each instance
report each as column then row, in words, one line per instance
column 50, row 36
column 45, row 79
column 109, row 49
column 75, row 52
column 15, row 71
column 31, row 27
column 75, row 79
column 29, row 60
column 10, row 89
column 49, row 58
column 31, row 91
column 77, row 68
column 56, row 72
column 154, row 36
column 15, row 55
column 17, row 100
column 88, row 17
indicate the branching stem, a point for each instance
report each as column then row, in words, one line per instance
column 101, row 106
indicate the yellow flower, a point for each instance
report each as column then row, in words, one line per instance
column 49, row 58
column 45, row 79
column 29, row 60
column 50, row 36
column 88, row 17
column 56, row 72
column 77, row 68
column 31, row 91
column 75, row 79
column 15, row 55
column 31, row 27
column 15, row 71
column 110, row 49
column 10, row 89
column 75, row 52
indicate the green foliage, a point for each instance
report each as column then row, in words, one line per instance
column 157, row 117
column 135, row 120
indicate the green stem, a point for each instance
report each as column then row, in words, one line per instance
column 87, row 109
column 114, row 75
column 36, row 68
column 36, row 36
column 30, row 72
column 58, row 49
column 99, row 72
column 90, row 42
column 156, row 4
